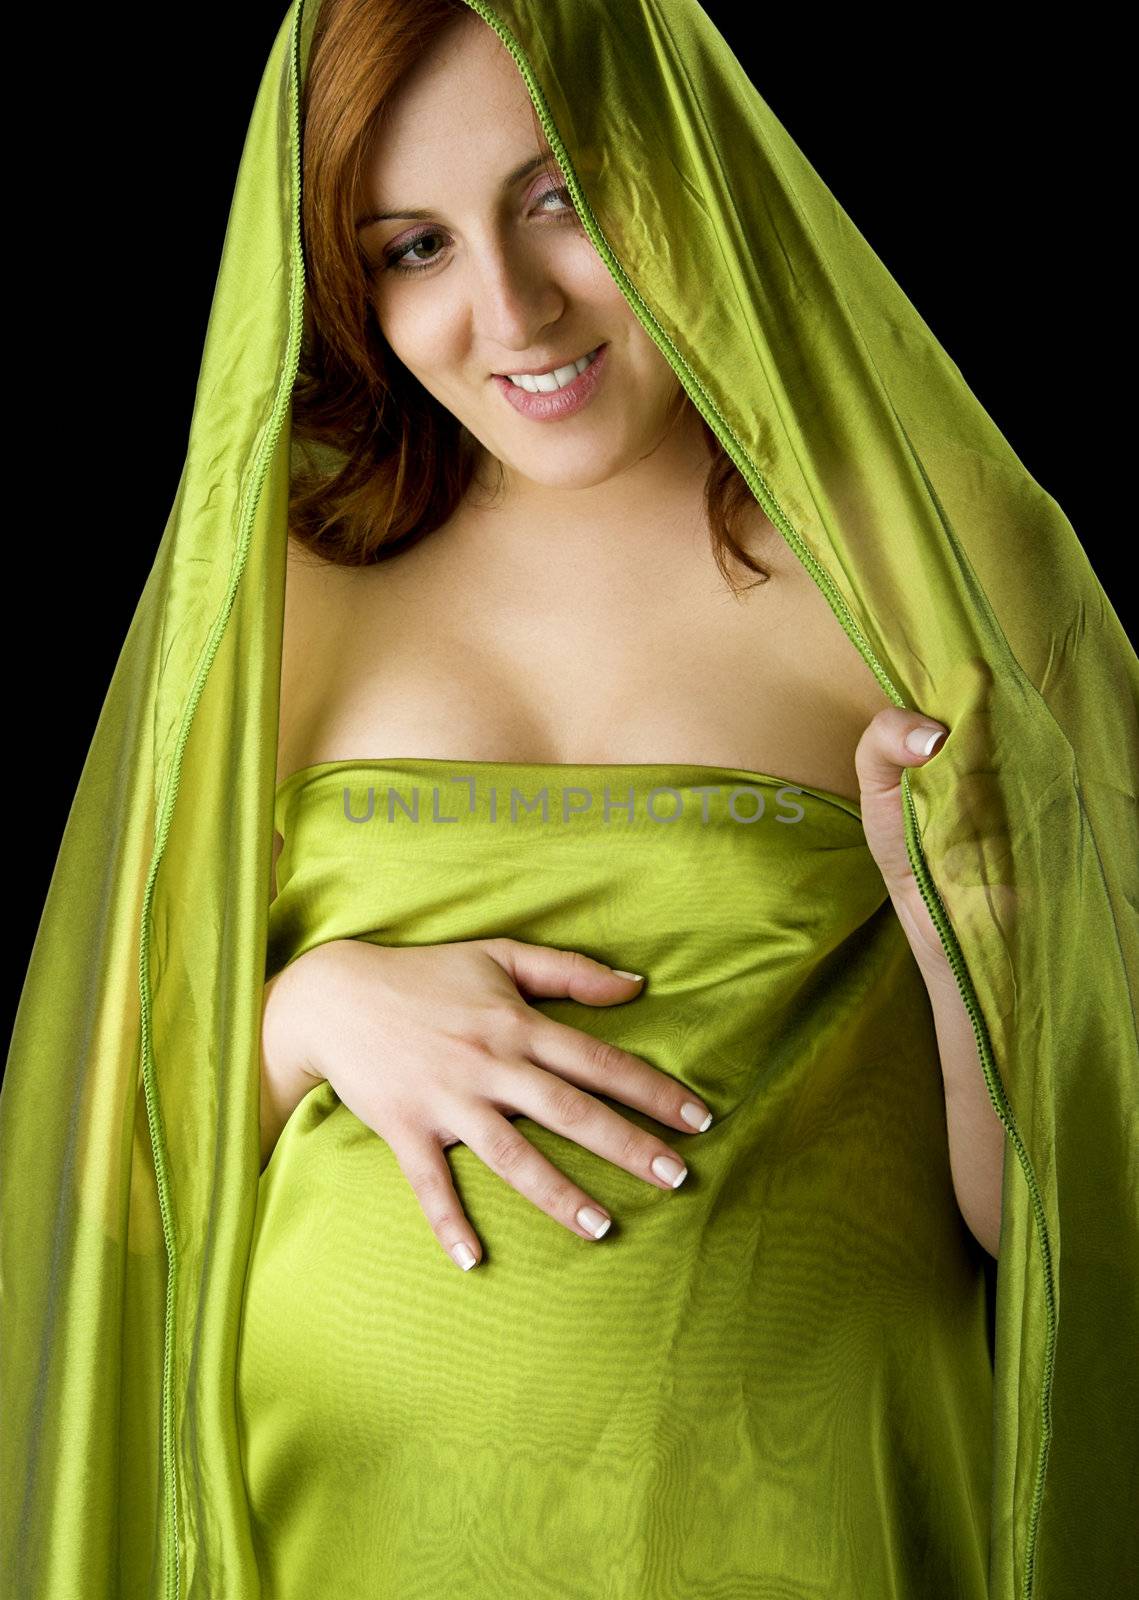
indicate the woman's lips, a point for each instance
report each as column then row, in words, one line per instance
column 559, row 402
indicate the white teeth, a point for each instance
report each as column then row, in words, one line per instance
column 547, row 382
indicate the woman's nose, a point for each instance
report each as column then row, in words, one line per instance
column 515, row 296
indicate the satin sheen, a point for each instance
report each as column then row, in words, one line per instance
column 129, row 1147
column 774, row 1380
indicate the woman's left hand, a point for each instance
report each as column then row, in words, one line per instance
column 882, row 755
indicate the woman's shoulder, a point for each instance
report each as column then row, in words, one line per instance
column 314, row 583
column 303, row 563
column 318, row 593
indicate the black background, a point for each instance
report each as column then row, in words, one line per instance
column 982, row 166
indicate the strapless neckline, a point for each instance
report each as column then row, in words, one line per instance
column 564, row 771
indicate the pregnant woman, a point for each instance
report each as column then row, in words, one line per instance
column 543, row 741
column 610, row 812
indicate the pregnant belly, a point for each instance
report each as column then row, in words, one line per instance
column 682, row 1395
column 347, row 1275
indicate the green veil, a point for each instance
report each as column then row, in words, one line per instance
column 129, row 1113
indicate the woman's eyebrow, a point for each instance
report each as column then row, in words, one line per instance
column 520, row 172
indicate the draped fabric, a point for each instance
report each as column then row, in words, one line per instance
column 129, row 1114
column 758, row 1385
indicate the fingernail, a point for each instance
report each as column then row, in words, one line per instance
column 922, row 740
column 593, row 1221
column 672, row 1171
column 464, row 1255
column 638, row 976
column 695, row 1116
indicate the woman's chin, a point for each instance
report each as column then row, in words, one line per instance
column 581, row 465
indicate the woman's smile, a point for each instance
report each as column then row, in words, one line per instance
column 559, row 391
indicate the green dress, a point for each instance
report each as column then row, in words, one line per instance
column 772, row 1381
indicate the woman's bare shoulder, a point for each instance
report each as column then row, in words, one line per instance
column 305, row 565
column 317, row 596
column 314, row 586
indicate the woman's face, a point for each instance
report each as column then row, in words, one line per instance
column 487, row 271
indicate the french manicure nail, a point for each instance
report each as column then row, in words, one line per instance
column 695, row 1116
column 463, row 1255
column 593, row 1221
column 922, row 740
column 671, row 1170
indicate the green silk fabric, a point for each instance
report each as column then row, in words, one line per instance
column 756, row 1378
column 129, row 1149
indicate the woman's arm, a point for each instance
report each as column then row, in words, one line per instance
column 284, row 1082
column 976, row 1133
column 278, row 843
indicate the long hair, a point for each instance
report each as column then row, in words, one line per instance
column 377, row 462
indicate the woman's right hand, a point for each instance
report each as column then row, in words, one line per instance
column 433, row 1045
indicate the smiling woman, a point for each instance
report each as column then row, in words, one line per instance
column 517, row 1199
column 571, row 500
column 392, row 387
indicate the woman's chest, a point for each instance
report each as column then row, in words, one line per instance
column 377, row 665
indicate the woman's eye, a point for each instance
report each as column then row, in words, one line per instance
column 562, row 194
column 402, row 260
column 398, row 258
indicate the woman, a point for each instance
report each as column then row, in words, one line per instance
column 783, row 1382
column 565, row 588
column 597, row 502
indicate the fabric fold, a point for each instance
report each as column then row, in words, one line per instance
column 129, row 1111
